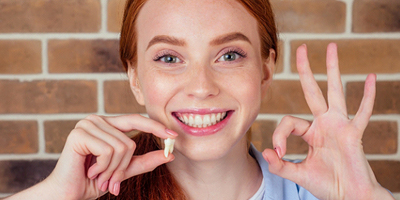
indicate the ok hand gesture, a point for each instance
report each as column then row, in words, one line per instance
column 335, row 167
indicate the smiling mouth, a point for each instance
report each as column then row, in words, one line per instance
column 201, row 121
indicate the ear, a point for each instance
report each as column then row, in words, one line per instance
column 268, row 69
column 135, row 84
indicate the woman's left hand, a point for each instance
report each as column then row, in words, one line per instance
column 336, row 166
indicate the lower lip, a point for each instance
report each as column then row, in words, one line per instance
column 207, row 130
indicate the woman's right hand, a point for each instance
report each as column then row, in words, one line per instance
column 98, row 156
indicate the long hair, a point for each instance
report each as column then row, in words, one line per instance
column 160, row 183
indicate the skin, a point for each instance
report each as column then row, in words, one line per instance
column 202, row 80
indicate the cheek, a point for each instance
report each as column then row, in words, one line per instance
column 157, row 92
column 248, row 89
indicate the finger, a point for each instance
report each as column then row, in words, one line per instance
column 102, row 124
column 119, row 173
column 367, row 103
column 124, row 151
column 289, row 125
column 119, row 147
column 86, row 144
column 312, row 92
column 121, row 151
column 127, row 123
column 335, row 88
column 284, row 169
column 147, row 162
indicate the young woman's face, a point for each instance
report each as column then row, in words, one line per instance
column 200, row 72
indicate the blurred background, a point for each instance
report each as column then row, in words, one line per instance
column 59, row 63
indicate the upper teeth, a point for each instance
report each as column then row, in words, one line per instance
column 201, row 121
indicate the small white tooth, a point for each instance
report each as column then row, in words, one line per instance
column 191, row 120
column 168, row 146
column 213, row 119
column 198, row 121
column 185, row 119
column 223, row 115
column 206, row 121
column 180, row 118
column 218, row 117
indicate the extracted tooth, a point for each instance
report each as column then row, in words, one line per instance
column 168, row 146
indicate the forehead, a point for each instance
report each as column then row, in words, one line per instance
column 200, row 20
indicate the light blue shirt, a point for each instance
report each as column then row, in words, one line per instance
column 276, row 187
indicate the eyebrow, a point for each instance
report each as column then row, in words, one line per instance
column 166, row 39
column 229, row 37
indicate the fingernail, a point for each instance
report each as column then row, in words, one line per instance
column 104, row 186
column 116, row 188
column 171, row 132
column 278, row 151
column 94, row 176
column 265, row 157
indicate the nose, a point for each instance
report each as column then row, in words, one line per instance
column 201, row 82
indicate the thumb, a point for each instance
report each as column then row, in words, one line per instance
column 282, row 168
column 147, row 162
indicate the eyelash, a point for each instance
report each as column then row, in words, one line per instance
column 239, row 52
column 162, row 54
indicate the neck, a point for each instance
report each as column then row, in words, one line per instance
column 235, row 176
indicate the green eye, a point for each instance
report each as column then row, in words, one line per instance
column 229, row 56
column 170, row 59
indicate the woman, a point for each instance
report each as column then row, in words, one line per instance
column 201, row 68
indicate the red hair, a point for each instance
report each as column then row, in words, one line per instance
column 160, row 183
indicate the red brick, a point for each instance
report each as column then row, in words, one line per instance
column 118, row 98
column 261, row 137
column 380, row 137
column 18, row 137
column 20, row 56
column 355, row 56
column 310, row 16
column 376, row 16
column 26, row 16
column 115, row 13
column 285, row 97
column 69, row 56
column 387, row 173
column 56, row 133
column 261, row 134
column 65, row 96
column 17, row 175
column 387, row 99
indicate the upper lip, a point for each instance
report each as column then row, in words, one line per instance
column 201, row 111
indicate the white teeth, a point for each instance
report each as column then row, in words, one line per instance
column 201, row 121
column 198, row 122
column 218, row 116
column 169, row 146
column 206, row 121
column 191, row 121
column 213, row 119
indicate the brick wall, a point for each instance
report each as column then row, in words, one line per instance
column 59, row 63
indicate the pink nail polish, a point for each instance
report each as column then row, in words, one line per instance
column 94, row 176
column 171, row 132
column 104, row 186
column 278, row 151
column 116, row 188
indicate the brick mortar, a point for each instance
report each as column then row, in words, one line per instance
column 45, row 60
